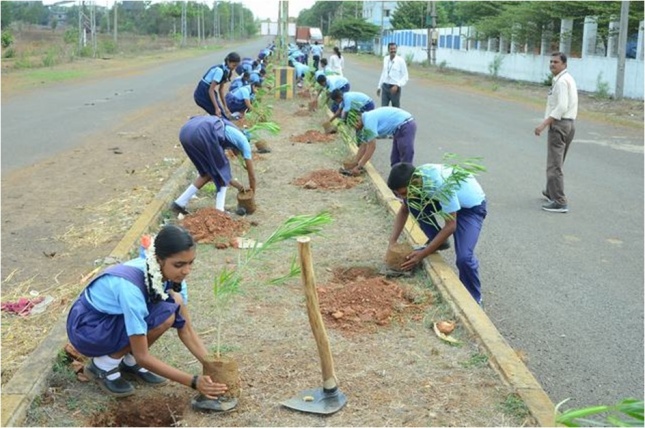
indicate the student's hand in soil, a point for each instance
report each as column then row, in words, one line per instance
column 209, row 388
column 413, row 259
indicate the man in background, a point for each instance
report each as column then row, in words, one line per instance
column 393, row 77
column 560, row 115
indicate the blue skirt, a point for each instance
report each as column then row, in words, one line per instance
column 203, row 100
column 95, row 334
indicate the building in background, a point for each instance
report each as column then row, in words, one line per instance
column 379, row 13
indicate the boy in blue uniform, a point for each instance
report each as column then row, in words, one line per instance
column 356, row 101
column 331, row 83
column 316, row 54
column 301, row 71
column 429, row 190
column 380, row 123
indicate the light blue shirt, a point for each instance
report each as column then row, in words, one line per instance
column 237, row 83
column 381, row 122
column 117, row 296
column 214, row 74
column 354, row 101
column 316, row 50
column 466, row 194
column 243, row 93
column 301, row 69
column 336, row 82
column 239, row 140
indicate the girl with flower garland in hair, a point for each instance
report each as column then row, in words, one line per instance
column 126, row 308
column 215, row 78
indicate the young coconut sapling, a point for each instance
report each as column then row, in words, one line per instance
column 227, row 284
column 419, row 191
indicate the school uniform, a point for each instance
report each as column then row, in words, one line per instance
column 468, row 200
column 385, row 121
column 236, row 98
column 219, row 74
column 356, row 101
column 116, row 305
column 202, row 138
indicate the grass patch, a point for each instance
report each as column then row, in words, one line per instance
column 476, row 360
column 514, row 406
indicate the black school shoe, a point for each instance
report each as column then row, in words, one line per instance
column 178, row 209
column 118, row 387
column 148, row 377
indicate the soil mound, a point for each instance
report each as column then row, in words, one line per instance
column 155, row 410
column 328, row 179
column 367, row 303
column 209, row 225
column 312, row 136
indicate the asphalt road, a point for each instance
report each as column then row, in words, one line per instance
column 566, row 289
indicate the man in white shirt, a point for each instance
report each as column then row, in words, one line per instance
column 393, row 77
column 560, row 115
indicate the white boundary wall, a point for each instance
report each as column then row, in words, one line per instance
column 587, row 71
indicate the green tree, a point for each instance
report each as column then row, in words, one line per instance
column 353, row 29
column 414, row 14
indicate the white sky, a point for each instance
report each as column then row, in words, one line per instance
column 262, row 9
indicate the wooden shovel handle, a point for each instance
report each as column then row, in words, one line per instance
column 313, row 311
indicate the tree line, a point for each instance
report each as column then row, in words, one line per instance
column 225, row 19
column 524, row 21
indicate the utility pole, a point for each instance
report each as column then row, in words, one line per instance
column 214, row 19
column 183, row 23
column 232, row 20
column 433, row 29
column 115, row 27
column 622, row 46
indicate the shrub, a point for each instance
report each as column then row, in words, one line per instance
column 7, row 39
column 602, row 88
column 108, row 46
column 408, row 59
column 50, row 59
column 495, row 65
column 9, row 53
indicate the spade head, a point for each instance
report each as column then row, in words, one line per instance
column 317, row 401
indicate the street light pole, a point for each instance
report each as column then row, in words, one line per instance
column 622, row 47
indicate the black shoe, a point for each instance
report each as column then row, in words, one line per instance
column 133, row 372
column 118, row 387
column 178, row 209
column 555, row 207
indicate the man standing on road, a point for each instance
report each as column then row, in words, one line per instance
column 393, row 77
column 316, row 54
column 561, row 112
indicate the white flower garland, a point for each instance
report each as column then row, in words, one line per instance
column 154, row 270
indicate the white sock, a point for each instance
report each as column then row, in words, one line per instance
column 220, row 198
column 129, row 360
column 182, row 200
column 108, row 363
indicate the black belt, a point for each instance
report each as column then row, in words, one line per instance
column 564, row 118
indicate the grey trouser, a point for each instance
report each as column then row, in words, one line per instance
column 560, row 135
column 387, row 97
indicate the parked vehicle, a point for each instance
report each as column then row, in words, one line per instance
column 364, row 46
column 309, row 35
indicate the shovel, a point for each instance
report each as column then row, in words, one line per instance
column 328, row 399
